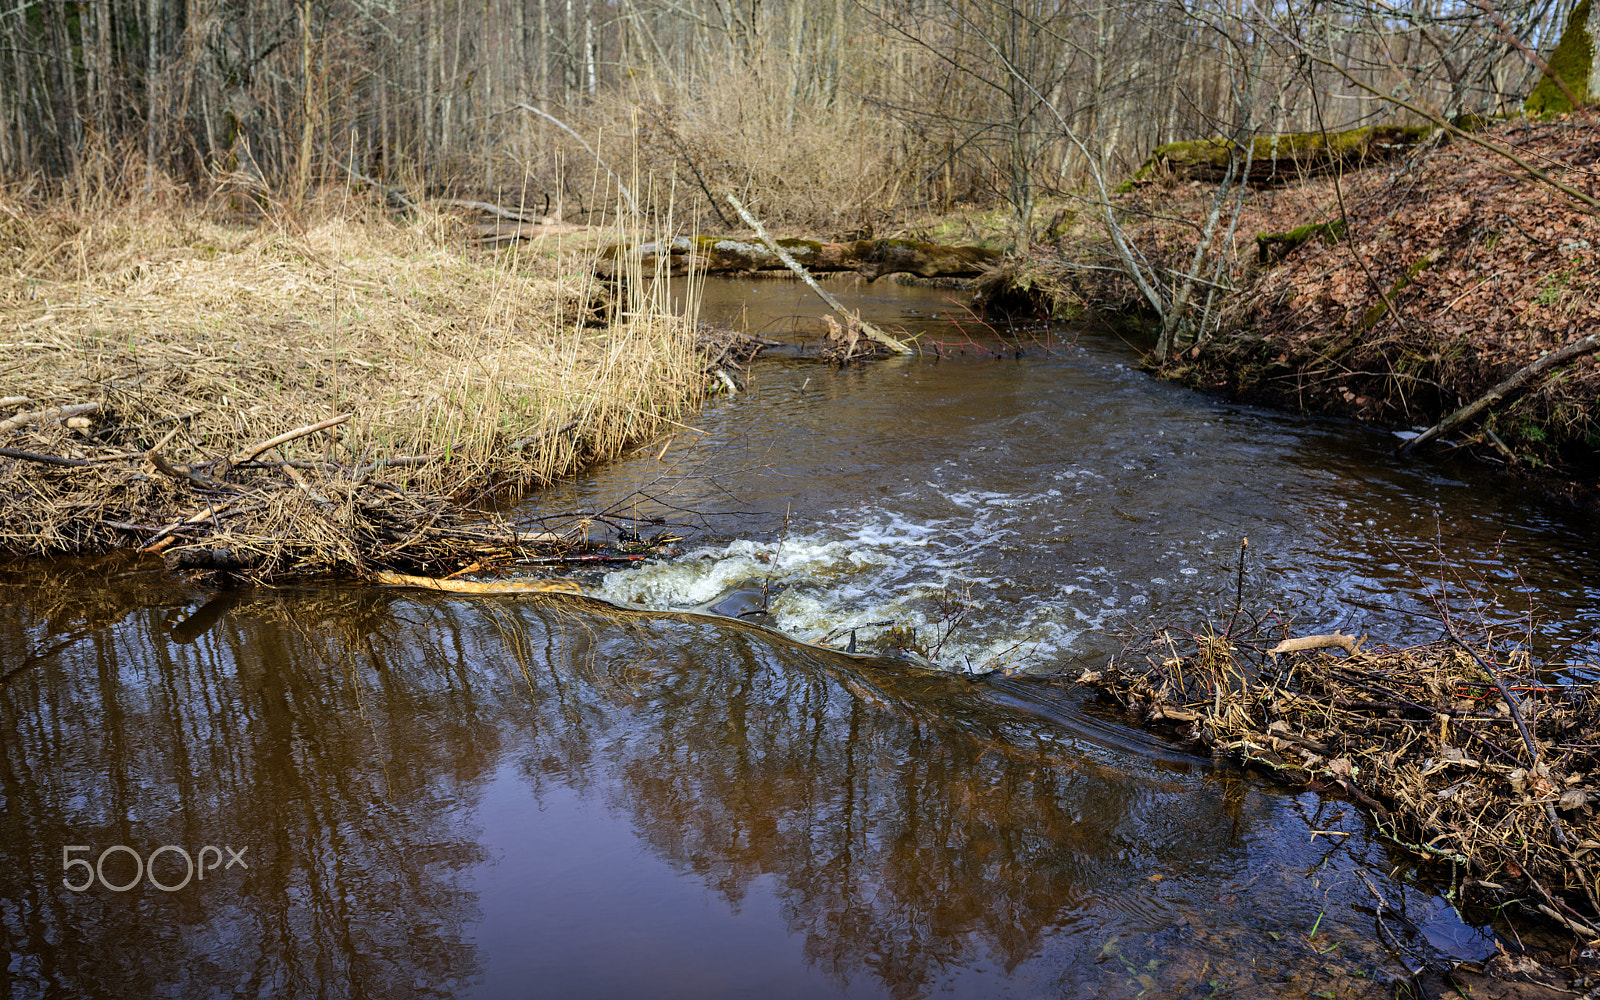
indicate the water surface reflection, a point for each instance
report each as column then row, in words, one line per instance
column 512, row 797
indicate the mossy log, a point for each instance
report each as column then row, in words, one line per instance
column 871, row 259
column 1331, row 232
column 1279, row 159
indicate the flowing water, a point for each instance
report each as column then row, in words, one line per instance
column 396, row 794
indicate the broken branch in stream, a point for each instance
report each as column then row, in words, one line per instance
column 867, row 328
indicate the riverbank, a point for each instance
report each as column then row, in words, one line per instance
column 327, row 392
column 1467, row 757
column 1451, row 269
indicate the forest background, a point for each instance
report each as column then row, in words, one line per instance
column 818, row 113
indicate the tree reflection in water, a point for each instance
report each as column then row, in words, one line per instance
column 917, row 837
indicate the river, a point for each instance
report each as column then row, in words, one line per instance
column 392, row 794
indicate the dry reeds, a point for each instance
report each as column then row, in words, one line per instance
column 1460, row 755
column 821, row 165
column 463, row 371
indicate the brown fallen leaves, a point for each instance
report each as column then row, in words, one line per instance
column 1457, row 269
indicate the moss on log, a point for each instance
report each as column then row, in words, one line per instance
column 1331, row 232
column 870, row 258
column 1278, row 159
column 1574, row 63
column 1379, row 309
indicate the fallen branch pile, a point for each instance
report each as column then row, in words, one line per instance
column 1459, row 755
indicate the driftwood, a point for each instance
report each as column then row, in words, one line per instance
column 788, row 260
column 1513, row 386
column 1349, row 643
column 256, row 449
column 871, row 259
column 520, row 586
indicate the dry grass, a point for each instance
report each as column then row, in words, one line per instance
column 799, row 162
column 1421, row 737
column 486, row 370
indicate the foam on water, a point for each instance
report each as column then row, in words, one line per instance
column 876, row 565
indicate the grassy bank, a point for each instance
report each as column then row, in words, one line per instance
column 188, row 342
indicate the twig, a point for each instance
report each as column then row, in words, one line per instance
column 492, row 209
column 300, row 481
column 634, row 206
column 393, row 192
column 1529, row 54
column 366, row 470
column 794, row 265
column 33, row 456
column 1383, row 907
column 1238, row 600
column 1534, row 757
column 1505, row 693
column 211, row 512
column 1582, row 930
column 166, row 468
column 773, row 567
column 257, row 449
column 1443, row 123
column 52, row 413
column 597, row 558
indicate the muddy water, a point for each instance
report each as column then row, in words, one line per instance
column 396, row 794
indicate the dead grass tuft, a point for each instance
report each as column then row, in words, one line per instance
column 464, row 371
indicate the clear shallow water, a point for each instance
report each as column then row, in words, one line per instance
column 510, row 797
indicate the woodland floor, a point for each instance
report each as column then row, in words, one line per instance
column 1456, row 269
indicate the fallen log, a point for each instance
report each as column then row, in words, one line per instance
column 872, row 259
column 1279, row 159
column 1513, row 386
